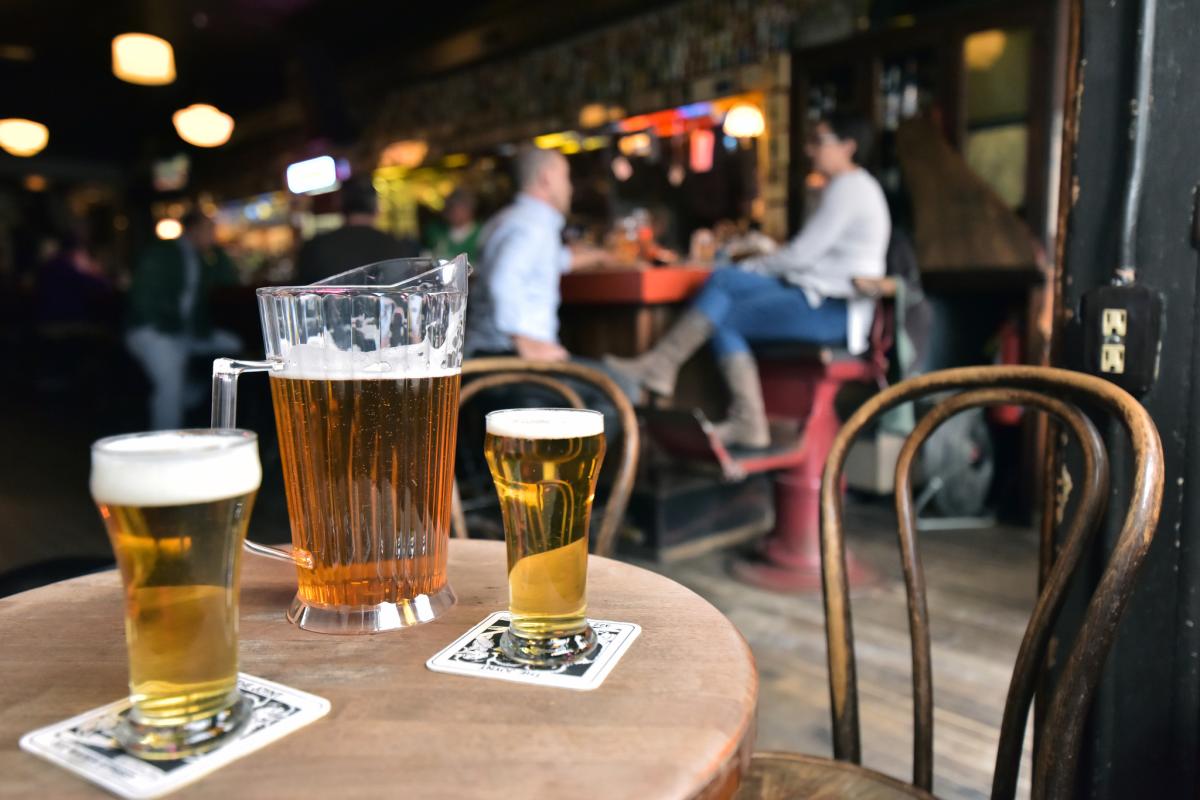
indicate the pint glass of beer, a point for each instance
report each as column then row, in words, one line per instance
column 364, row 371
column 176, row 505
column 544, row 462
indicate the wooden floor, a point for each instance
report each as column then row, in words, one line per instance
column 981, row 591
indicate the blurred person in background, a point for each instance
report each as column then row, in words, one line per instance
column 169, row 314
column 72, row 292
column 801, row 292
column 76, row 314
column 357, row 243
column 514, row 305
column 512, row 308
column 457, row 231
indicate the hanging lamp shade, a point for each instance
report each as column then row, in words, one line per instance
column 744, row 121
column 700, row 150
column 23, row 137
column 143, row 59
column 203, row 125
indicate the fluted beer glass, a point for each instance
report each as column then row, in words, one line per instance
column 545, row 462
column 364, row 371
column 176, row 505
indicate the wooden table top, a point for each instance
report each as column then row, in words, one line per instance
column 675, row 718
column 633, row 286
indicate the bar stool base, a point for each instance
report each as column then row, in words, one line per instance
column 801, row 578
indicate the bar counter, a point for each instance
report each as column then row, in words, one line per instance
column 644, row 285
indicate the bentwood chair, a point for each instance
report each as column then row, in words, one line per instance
column 484, row 374
column 1056, row 392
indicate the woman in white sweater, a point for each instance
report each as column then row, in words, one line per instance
column 802, row 292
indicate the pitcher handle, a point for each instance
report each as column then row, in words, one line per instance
column 224, row 415
column 224, row 387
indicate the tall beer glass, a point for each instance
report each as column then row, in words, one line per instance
column 176, row 505
column 364, row 371
column 544, row 462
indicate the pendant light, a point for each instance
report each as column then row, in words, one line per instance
column 203, row 125
column 23, row 137
column 143, row 59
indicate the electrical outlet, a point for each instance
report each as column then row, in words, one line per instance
column 1114, row 322
column 1122, row 334
column 1112, row 358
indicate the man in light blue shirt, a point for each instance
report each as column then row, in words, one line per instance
column 514, row 302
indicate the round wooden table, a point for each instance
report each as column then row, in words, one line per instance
column 675, row 718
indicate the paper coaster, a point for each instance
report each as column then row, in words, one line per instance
column 84, row 744
column 477, row 653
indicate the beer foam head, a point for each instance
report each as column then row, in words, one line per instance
column 174, row 468
column 545, row 423
column 318, row 361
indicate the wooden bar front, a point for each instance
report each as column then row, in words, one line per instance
column 624, row 311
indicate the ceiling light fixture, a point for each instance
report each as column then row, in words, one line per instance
column 203, row 125
column 23, row 137
column 744, row 121
column 168, row 229
column 143, row 59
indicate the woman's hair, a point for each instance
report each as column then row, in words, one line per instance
column 852, row 128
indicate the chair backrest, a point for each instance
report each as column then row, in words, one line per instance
column 481, row 374
column 1055, row 392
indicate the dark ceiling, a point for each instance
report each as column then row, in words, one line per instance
column 276, row 65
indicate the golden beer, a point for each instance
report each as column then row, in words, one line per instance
column 368, row 467
column 545, row 463
column 176, row 506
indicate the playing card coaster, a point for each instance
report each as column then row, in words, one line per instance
column 84, row 744
column 477, row 653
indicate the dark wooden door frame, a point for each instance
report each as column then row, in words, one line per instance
column 1144, row 735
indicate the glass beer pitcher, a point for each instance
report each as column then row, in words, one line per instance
column 364, row 370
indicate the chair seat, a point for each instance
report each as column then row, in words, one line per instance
column 790, row 776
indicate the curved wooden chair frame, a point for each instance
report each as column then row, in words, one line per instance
column 1053, row 391
column 489, row 373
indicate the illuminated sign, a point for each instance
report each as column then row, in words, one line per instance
column 314, row 176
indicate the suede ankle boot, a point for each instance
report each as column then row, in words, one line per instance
column 656, row 369
column 746, row 424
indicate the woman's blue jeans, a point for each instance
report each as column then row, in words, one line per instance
column 747, row 307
